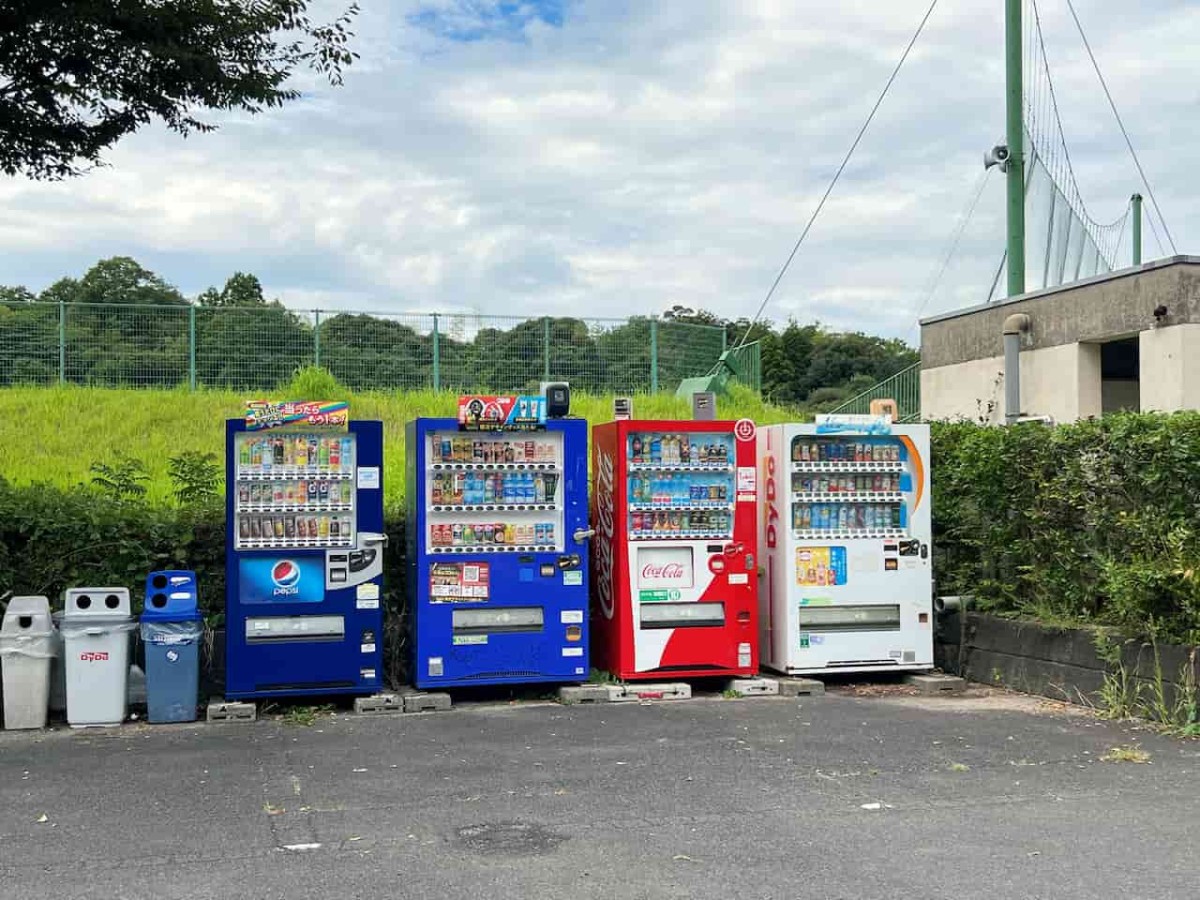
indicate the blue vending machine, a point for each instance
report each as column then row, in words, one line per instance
column 304, row 564
column 497, row 545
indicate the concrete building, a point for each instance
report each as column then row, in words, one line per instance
column 1126, row 340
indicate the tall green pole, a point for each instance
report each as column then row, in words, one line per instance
column 62, row 342
column 192, row 347
column 437, row 355
column 1137, row 229
column 654, row 356
column 316, row 337
column 1014, row 96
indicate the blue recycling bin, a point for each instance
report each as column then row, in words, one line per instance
column 172, row 629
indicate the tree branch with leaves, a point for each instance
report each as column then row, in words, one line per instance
column 76, row 76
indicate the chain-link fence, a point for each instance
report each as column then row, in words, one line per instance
column 259, row 347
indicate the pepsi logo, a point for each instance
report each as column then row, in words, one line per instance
column 286, row 575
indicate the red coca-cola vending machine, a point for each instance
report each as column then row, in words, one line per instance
column 674, row 555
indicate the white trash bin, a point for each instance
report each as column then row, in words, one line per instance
column 96, row 627
column 27, row 647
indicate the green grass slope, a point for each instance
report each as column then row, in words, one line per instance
column 53, row 435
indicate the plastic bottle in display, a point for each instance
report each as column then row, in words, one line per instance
column 347, row 454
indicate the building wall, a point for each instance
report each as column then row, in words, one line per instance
column 1098, row 309
column 1062, row 382
column 1170, row 377
column 962, row 352
column 971, row 390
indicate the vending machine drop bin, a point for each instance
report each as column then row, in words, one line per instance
column 497, row 548
column 172, row 629
column 28, row 644
column 674, row 553
column 846, row 534
column 97, row 631
column 304, row 568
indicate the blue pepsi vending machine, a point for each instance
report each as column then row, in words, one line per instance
column 304, row 564
column 497, row 553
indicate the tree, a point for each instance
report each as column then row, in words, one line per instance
column 241, row 289
column 76, row 76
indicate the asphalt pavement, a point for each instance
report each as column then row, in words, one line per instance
column 840, row 796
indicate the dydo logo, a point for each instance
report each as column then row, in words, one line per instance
column 603, row 543
column 771, row 510
column 286, row 575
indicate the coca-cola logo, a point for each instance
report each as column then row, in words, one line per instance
column 665, row 572
column 603, row 544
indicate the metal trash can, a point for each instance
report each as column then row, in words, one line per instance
column 172, row 629
column 27, row 648
column 96, row 628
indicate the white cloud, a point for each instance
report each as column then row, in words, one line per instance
column 635, row 156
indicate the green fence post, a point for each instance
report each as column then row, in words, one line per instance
column 192, row 347
column 62, row 342
column 316, row 337
column 437, row 355
column 654, row 356
column 546, row 349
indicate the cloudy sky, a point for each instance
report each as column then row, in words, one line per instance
column 607, row 157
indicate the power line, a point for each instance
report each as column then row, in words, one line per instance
column 977, row 192
column 1128, row 142
column 838, row 174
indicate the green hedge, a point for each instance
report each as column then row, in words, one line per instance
column 1094, row 522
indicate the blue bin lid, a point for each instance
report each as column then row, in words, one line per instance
column 171, row 597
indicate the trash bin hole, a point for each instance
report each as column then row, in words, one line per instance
column 158, row 601
column 112, row 601
column 160, row 581
column 83, row 601
column 25, row 621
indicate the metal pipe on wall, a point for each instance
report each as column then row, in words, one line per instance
column 1014, row 326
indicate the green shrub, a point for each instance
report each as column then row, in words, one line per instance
column 1094, row 522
